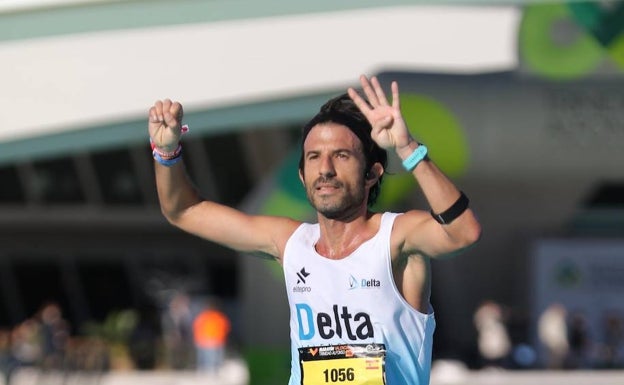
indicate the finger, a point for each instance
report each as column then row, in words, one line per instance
column 383, row 123
column 377, row 130
column 368, row 90
column 176, row 111
column 158, row 110
column 396, row 103
column 167, row 117
column 381, row 95
column 153, row 115
column 386, row 121
column 166, row 105
column 359, row 102
column 170, row 120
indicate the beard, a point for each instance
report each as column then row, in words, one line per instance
column 339, row 205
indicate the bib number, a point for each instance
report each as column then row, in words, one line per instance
column 358, row 364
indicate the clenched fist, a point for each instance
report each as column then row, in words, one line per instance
column 165, row 124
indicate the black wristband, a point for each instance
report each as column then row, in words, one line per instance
column 448, row 216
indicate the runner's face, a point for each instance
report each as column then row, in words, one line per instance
column 333, row 170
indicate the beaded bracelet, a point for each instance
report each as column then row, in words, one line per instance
column 168, row 158
column 165, row 154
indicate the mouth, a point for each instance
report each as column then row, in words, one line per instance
column 326, row 187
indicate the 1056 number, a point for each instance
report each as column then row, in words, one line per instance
column 339, row 375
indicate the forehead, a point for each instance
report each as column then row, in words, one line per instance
column 331, row 135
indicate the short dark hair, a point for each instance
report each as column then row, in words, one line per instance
column 342, row 110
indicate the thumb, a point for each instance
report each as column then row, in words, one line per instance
column 386, row 121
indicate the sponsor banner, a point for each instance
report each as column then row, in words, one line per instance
column 586, row 276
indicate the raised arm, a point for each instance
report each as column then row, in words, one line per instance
column 417, row 230
column 183, row 206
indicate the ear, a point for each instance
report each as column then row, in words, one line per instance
column 373, row 175
column 301, row 177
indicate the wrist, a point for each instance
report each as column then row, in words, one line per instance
column 164, row 150
column 172, row 147
column 406, row 150
column 415, row 157
column 168, row 155
column 167, row 161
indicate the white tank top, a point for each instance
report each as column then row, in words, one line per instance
column 352, row 304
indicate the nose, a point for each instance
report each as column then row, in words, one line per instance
column 327, row 167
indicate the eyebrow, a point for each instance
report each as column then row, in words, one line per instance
column 338, row 150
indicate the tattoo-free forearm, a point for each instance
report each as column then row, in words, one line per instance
column 441, row 193
column 176, row 193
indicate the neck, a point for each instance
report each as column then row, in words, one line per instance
column 340, row 238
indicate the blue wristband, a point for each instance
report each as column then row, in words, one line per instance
column 166, row 162
column 415, row 157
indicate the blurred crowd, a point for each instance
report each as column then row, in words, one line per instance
column 41, row 340
column 176, row 338
column 192, row 335
column 564, row 340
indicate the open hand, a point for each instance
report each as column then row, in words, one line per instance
column 389, row 129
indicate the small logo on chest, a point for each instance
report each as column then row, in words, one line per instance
column 301, row 281
column 302, row 274
column 363, row 283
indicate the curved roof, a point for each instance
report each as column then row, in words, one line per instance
column 84, row 73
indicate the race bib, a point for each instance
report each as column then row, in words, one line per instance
column 356, row 364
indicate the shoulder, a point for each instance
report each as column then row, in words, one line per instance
column 283, row 229
column 409, row 220
column 417, row 215
column 408, row 225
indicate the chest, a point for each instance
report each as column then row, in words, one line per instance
column 359, row 280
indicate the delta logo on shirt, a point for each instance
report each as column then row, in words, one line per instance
column 340, row 322
column 355, row 283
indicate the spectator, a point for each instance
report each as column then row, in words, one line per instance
column 54, row 336
column 26, row 344
column 553, row 334
column 178, row 332
column 8, row 363
column 211, row 328
column 493, row 338
column 580, row 344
